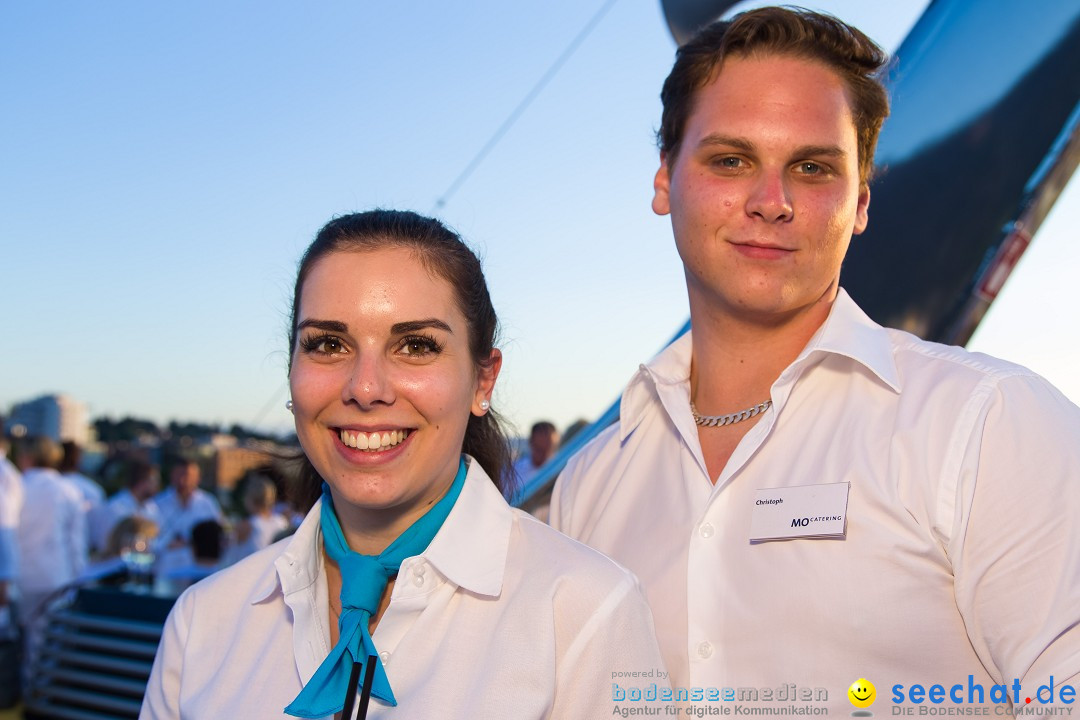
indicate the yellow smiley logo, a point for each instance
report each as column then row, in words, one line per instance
column 862, row 693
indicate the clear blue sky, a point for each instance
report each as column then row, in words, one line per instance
column 164, row 165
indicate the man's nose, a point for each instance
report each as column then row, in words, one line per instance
column 769, row 198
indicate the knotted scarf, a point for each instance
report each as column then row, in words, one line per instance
column 363, row 582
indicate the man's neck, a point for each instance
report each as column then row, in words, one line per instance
column 736, row 359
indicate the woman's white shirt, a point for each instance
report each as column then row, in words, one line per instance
column 501, row 617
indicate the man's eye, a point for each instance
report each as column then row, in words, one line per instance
column 729, row 163
column 810, row 168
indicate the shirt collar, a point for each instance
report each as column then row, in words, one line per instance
column 470, row 548
column 850, row 332
column 670, row 367
column 847, row 331
column 297, row 567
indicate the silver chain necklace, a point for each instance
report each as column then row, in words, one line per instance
column 731, row 419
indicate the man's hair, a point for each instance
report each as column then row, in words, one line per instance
column 208, row 540
column 139, row 471
column 44, row 452
column 795, row 32
column 72, row 457
column 543, row 426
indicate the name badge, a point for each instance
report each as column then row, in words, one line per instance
column 806, row 511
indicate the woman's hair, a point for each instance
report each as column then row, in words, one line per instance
column 130, row 533
column 259, row 494
column 443, row 253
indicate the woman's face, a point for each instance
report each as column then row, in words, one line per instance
column 383, row 384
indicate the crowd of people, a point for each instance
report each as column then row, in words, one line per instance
column 59, row 530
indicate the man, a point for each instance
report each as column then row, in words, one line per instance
column 543, row 442
column 51, row 536
column 93, row 496
column 182, row 507
column 136, row 500
column 810, row 499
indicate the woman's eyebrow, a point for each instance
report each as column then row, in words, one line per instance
column 328, row 325
column 409, row 326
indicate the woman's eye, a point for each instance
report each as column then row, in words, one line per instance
column 419, row 346
column 323, row 345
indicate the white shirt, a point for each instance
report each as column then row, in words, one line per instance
column 93, row 496
column 262, row 533
column 962, row 547
column 500, row 617
column 11, row 502
column 178, row 519
column 52, row 533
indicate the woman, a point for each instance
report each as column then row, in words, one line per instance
column 262, row 524
column 485, row 612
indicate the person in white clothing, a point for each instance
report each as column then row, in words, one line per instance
column 543, row 442
column 11, row 502
column 813, row 501
column 262, row 525
column 182, row 506
column 410, row 555
column 92, row 493
column 51, row 537
column 136, row 500
column 52, row 530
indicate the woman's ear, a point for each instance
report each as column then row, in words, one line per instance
column 486, row 376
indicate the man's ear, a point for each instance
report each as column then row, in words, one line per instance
column 661, row 203
column 862, row 216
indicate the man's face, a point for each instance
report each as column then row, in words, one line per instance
column 764, row 194
column 149, row 487
column 542, row 445
column 185, row 480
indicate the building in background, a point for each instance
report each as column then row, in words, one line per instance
column 56, row 416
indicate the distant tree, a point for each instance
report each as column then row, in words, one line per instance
column 127, row 429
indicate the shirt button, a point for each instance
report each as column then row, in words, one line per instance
column 704, row 650
column 384, row 656
column 706, row 530
column 418, row 581
column 420, row 569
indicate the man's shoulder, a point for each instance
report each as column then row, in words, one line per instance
column 925, row 364
column 592, row 473
column 206, row 497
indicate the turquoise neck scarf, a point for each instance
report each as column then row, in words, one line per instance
column 363, row 582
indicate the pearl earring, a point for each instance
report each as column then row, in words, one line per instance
column 484, row 405
column 289, row 405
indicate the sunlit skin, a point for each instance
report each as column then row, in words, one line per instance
column 382, row 346
column 764, row 196
column 185, row 481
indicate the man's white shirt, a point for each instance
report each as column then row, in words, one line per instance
column 961, row 554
